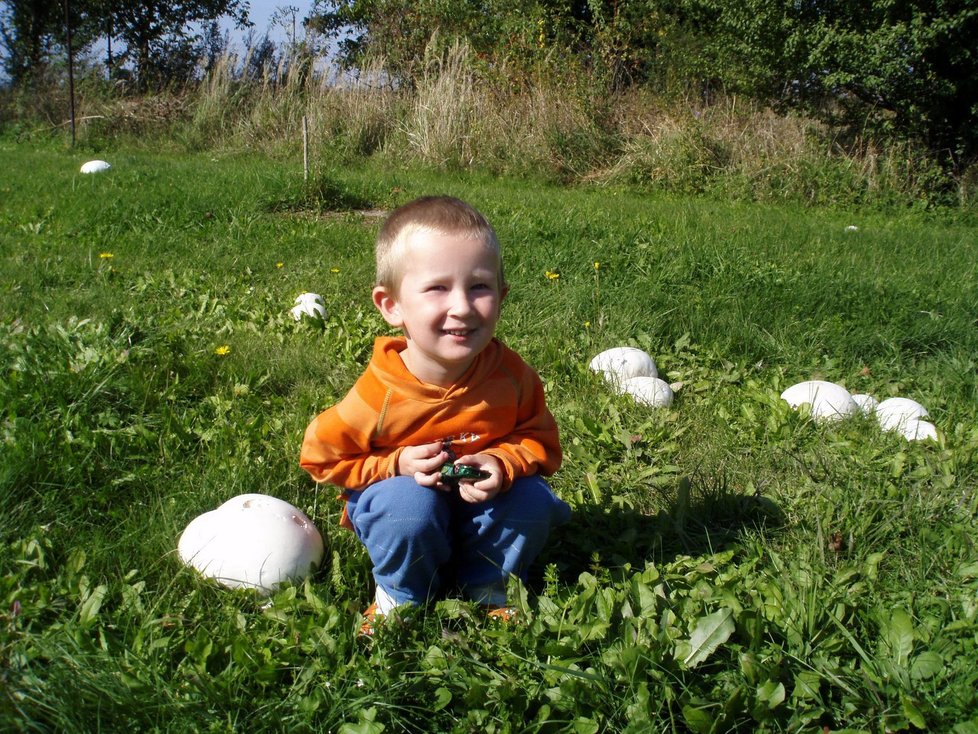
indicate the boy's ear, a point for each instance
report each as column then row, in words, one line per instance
column 387, row 304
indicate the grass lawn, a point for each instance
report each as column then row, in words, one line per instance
column 732, row 565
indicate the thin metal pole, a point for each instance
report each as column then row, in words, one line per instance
column 71, row 71
column 305, row 149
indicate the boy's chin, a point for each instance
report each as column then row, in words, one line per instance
column 463, row 350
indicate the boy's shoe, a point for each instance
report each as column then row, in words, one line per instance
column 382, row 605
column 503, row 614
column 368, row 626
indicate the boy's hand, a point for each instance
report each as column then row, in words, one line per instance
column 423, row 463
column 481, row 490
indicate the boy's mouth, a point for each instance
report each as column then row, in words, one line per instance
column 459, row 332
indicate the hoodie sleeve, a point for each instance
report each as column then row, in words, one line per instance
column 533, row 446
column 337, row 448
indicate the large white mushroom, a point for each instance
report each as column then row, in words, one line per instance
column 648, row 391
column 917, row 429
column 828, row 401
column 618, row 364
column 252, row 541
column 95, row 167
column 867, row 403
column 894, row 413
column 309, row 304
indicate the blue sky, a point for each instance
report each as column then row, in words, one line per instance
column 261, row 14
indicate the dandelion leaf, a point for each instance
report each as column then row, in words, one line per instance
column 710, row 632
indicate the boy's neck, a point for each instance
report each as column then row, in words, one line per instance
column 433, row 373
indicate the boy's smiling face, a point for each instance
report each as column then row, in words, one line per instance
column 447, row 303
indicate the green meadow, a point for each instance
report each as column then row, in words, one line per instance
column 732, row 564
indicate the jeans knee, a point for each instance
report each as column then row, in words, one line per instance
column 537, row 502
column 398, row 507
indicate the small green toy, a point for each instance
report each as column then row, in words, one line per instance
column 454, row 472
column 451, row 472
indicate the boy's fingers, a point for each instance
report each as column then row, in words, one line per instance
column 473, row 495
column 431, row 480
column 436, row 448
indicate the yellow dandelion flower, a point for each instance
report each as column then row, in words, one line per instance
column 106, row 255
column 334, row 270
column 597, row 265
column 279, row 265
column 223, row 350
column 552, row 275
column 587, row 324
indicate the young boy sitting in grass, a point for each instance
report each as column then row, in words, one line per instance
column 445, row 396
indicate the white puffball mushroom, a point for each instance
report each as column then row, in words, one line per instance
column 893, row 413
column 95, row 167
column 309, row 304
column 648, row 391
column 252, row 541
column 867, row 403
column 916, row 429
column 618, row 364
column 828, row 401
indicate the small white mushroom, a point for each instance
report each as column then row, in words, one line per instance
column 648, row 391
column 867, row 403
column 620, row 363
column 852, row 228
column 252, row 541
column 309, row 304
column 917, row 429
column 95, row 167
column 893, row 413
column 828, row 401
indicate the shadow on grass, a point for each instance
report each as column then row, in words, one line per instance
column 322, row 195
column 700, row 517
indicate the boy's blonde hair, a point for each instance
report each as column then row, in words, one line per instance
column 442, row 214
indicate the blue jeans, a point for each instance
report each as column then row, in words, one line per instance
column 421, row 540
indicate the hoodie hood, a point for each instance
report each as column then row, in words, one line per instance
column 389, row 369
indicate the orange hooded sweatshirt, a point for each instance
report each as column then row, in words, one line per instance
column 497, row 407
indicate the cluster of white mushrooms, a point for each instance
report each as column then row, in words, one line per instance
column 252, row 541
column 632, row 371
column 829, row 401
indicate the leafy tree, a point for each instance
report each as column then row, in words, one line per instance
column 906, row 68
column 32, row 33
column 153, row 30
column 903, row 65
column 400, row 31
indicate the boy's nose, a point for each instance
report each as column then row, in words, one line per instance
column 460, row 302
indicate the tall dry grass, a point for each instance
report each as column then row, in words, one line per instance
column 461, row 112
